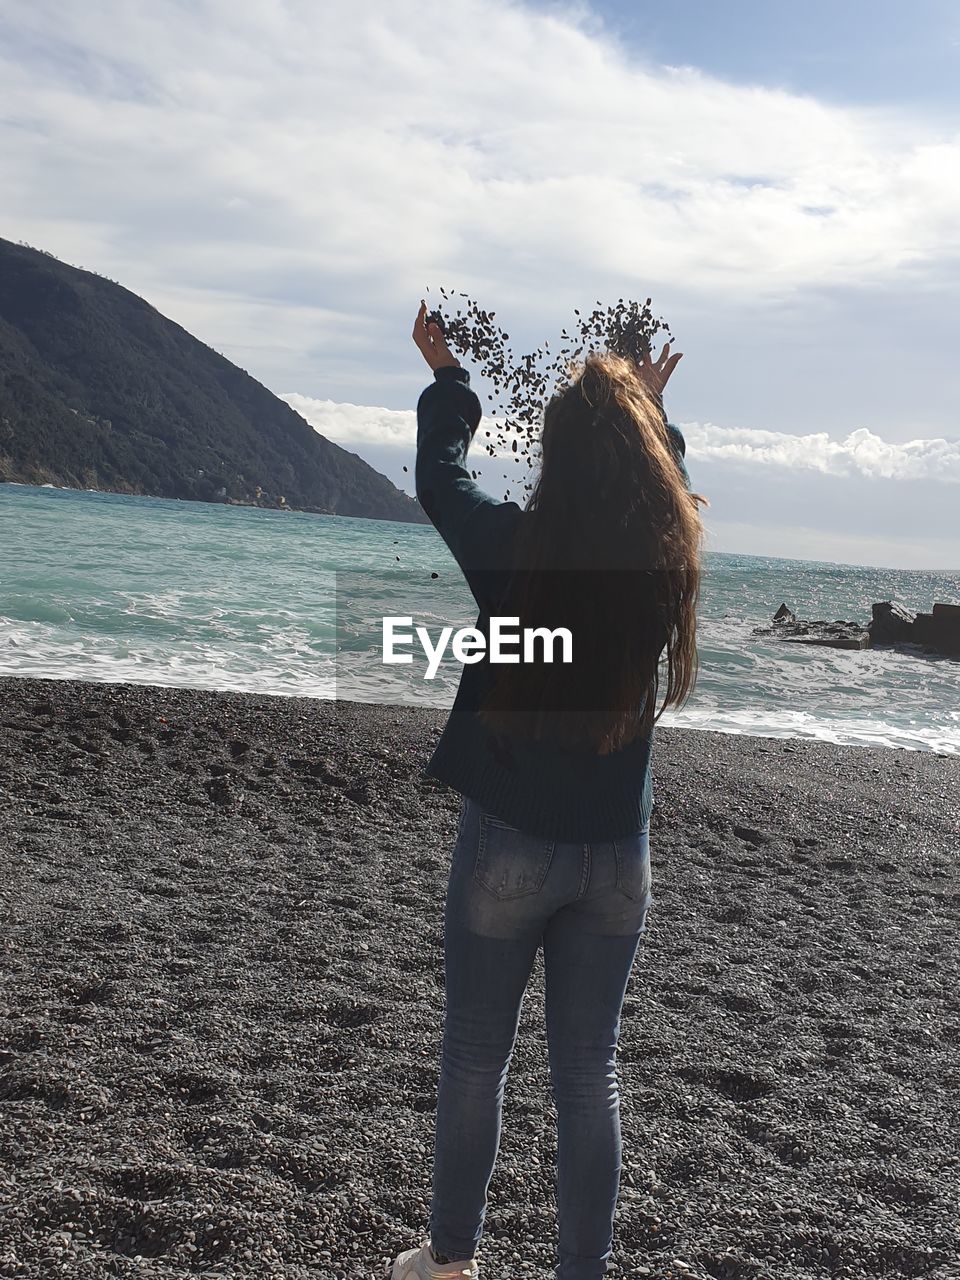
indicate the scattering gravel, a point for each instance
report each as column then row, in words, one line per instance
column 222, row 925
column 524, row 384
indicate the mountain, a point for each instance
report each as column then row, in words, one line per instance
column 98, row 390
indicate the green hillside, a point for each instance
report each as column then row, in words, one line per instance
column 99, row 390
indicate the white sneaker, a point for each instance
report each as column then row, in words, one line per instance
column 418, row 1264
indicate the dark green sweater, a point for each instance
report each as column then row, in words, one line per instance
column 546, row 790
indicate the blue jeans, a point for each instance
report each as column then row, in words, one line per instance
column 586, row 904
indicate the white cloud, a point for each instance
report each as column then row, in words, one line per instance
column 357, row 424
column 367, row 426
column 245, row 140
column 860, row 453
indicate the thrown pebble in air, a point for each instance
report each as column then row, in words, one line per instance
column 524, row 389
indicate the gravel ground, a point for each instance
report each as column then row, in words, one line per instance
column 223, row 1001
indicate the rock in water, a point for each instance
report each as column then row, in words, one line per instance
column 835, row 635
column 938, row 630
column 946, row 628
column 891, row 623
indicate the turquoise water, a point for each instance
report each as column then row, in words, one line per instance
column 100, row 586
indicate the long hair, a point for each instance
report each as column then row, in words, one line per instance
column 609, row 547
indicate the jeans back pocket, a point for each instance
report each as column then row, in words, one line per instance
column 634, row 876
column 510, row 863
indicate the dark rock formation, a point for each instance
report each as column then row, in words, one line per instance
column 938, row 630
column 835, row 635
column 891, row 624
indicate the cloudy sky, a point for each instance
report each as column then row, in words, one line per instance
column 285, row 178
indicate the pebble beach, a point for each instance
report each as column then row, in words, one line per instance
column 221, row 1011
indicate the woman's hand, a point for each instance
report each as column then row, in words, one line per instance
column 431, row 342
column 656, row 374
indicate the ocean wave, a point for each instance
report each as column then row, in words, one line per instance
column 115, row 588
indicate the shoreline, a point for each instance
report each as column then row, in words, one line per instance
column 441, row 712
column 252, row 503
column 223, row 980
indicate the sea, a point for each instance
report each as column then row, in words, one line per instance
column 109, row 587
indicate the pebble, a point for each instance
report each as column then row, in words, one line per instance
column 339, row 1059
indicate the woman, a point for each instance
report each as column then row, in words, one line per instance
column 553, row 763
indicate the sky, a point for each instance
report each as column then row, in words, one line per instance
column 286, row 179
